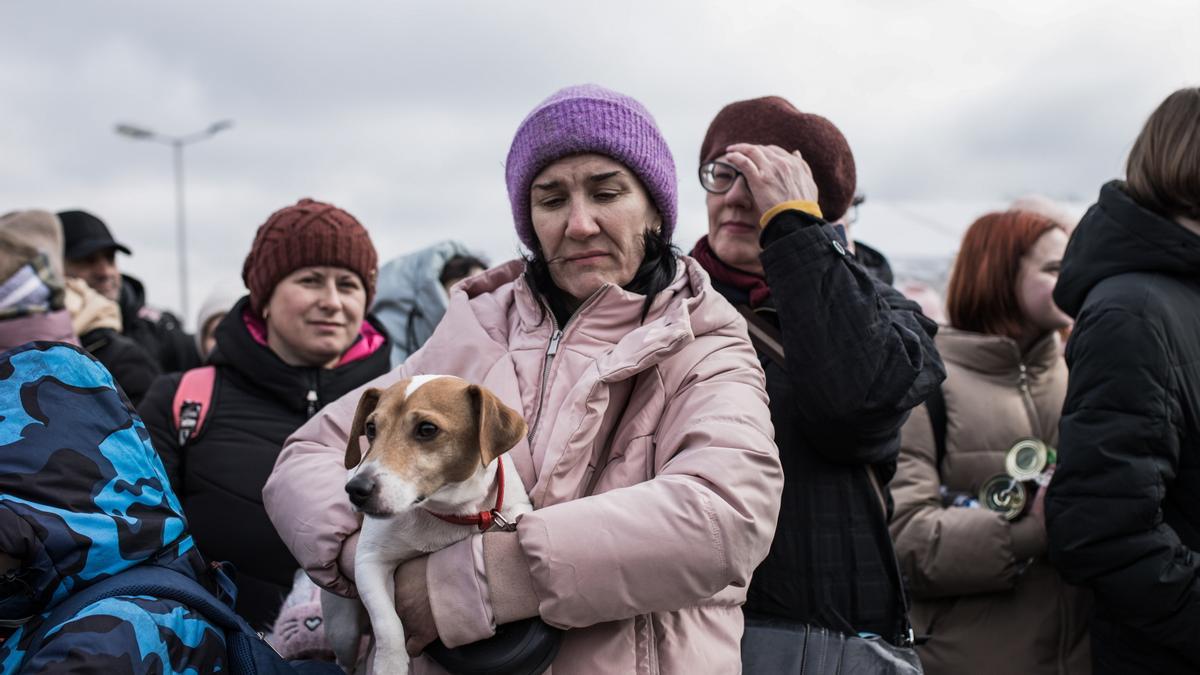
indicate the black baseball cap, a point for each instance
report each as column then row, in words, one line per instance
column 84, row 234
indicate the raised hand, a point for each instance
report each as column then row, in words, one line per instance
column 773, row 174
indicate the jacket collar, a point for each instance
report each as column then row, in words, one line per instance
column 875, row 262
column 1119, row 236
column 131, row 299
column 996, row 354
column 610, row 321
column 238, row 349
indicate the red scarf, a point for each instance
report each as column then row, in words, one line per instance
column 752, row 284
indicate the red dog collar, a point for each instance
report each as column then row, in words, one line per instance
column 485, row 519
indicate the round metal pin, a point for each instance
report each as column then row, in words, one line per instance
column 1005, row 495
column 1027, row 459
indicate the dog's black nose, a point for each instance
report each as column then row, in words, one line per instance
column 360, row 488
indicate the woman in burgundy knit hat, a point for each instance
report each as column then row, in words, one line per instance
column 846, row 357
column 299, row 340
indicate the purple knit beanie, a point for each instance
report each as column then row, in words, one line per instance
column 590, row 118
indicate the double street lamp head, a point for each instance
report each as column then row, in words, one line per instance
column 219, row 126
column 177, row 144
column 143, row 134
column 134, row 132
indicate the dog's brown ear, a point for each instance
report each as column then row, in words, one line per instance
column 366, row 406
column 500, row 427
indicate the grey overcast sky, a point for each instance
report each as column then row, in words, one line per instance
column 402, row 112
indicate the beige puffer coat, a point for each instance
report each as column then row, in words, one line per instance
column 982, row 587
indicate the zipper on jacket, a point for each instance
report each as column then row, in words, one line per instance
column 643, row 628
column 552, row 349
column 653, row 645
column 1027, row 396
column 313, row 398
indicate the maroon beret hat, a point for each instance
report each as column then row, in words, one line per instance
column 771, row 120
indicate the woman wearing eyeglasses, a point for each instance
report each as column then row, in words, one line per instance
column 846, row 358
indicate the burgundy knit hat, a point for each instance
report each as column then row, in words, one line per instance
column 771, row 120
column 311, row 233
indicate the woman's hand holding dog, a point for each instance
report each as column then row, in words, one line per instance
column 413, row 607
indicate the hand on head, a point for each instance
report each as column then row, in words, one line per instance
column 772, row 174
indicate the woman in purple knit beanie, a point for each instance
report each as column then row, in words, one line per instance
column 588, row 124
column 648, row 458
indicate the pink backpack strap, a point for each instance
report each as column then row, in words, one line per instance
column 193, row 398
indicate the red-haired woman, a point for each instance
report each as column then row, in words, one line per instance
column 982, row 587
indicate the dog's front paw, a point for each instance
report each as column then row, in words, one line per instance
column 389, row 662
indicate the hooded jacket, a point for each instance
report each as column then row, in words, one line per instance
column 1123, row 510
column 982, row 587
column 257, row 401
column 159, row 333
column 410, row 299
column 83, row 496
column 664, row 423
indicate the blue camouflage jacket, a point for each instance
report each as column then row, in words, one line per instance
column 83, row 496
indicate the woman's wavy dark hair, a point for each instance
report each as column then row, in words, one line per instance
column 652, row 277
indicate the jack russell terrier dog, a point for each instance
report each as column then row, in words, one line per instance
column 434, row 472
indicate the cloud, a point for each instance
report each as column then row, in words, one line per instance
column 402, row 112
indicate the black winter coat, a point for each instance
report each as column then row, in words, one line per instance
column 258, row 401
column 859, row 358
column 130, row 364
column 159, row 333
column 1123, row 510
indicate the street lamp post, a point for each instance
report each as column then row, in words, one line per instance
column 177, row 143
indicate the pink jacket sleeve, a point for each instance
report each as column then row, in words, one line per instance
column 305, row 498
column 703, row 523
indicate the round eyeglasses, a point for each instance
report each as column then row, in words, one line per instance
column 718, row 177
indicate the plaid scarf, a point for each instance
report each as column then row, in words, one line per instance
column 31, row 290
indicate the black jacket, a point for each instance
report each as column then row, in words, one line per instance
column 130, row 364
column 875, row 262
column 1123, row 511
column 258, row 401
column 158, row 332
column 859, row 358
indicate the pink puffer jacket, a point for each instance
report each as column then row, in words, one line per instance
column 648, row 572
